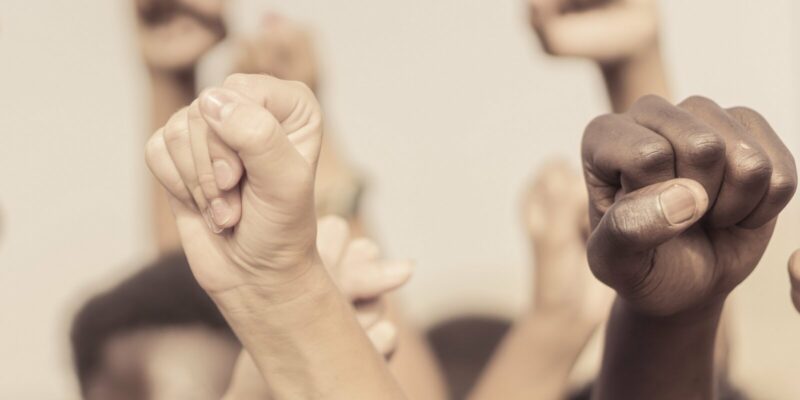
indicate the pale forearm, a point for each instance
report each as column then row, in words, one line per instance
column 307, row 342
column 636, row 76
column 658, row 357
column 534, row 360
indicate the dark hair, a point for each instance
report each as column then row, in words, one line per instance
column 463, row 347
column 163, row 293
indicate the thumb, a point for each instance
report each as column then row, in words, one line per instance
column 268, row 156
column 621, row 246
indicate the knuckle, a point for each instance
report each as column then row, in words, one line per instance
column 238, row 80
column 600, row 125
column 622, row 227
column 652, row 155
column 752, row 168
column 175, row 130
column 703, row 148
column 301, row 87
column 252, row 125
column 698, row 102
column 154, row 147
column 207, row 182
column 746, row 116
column 177, row 187
column 648, row 102
column 783, row 187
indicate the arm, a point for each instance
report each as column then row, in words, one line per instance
column 307, row 342
column 171, row 59
column 658, row 357
column 364, row 279
column 620, row 36
column 413, row 364
column 534, row 359
column 169, row 92
column 675, row 230
column 537, row 355
column 635, row 76
column 266, row 275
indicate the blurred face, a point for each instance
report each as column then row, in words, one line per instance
column 174, row 34
column 167, row 363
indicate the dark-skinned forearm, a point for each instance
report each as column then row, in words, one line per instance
column 656, row 358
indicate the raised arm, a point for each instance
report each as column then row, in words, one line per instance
column 683, row 202
column 364, row 279
column 536, row 357
column 621, row 36
column 250, row 235
column 173, row 35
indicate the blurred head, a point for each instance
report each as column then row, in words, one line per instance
column 140, row 338
column 174, row 34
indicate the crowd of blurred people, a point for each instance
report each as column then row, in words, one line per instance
column 270, row 286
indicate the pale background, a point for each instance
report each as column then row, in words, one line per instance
column 448, row 105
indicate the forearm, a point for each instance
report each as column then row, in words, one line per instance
column 306, row 341
column 413, row 363
column 658, row 357
column 169, row 92
column 631, row 78
column 534, row 360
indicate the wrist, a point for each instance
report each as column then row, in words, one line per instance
column 305, row 285
column 701, row 316
column 566, row 332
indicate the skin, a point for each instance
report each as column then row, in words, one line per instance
column 364, row 279
column 535, row 358
column 173, row 37
column 285, row 49
column 794, row 278
column 266, row 276
column 164, row 363
column 683, row 201
column 621, row 36
column 281, row 48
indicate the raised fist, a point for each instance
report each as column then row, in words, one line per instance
column 601, row 30
column 683, row 200
column 557, row 222
column 281, row 48
column 174, row 34
column 239, row 165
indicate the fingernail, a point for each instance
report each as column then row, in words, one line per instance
column 223, row 173
column 678, row 204
column 216, row 104
column 221, row 212
column 209, row 218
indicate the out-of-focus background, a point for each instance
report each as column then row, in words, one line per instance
column 446, row 105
